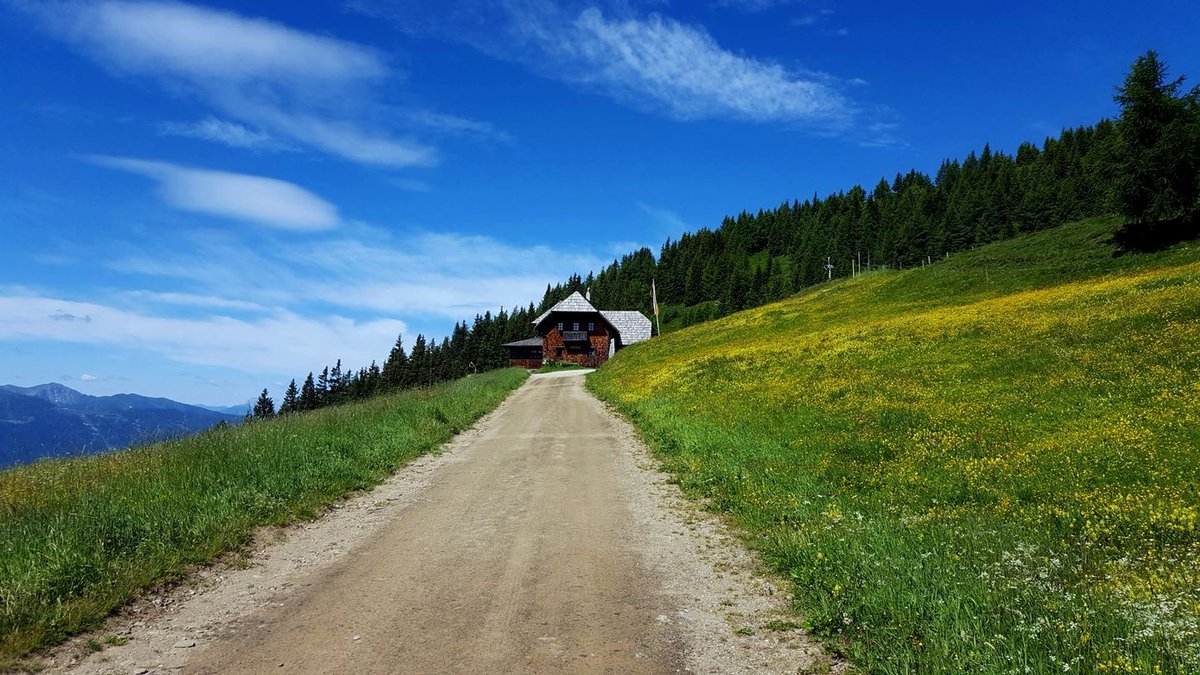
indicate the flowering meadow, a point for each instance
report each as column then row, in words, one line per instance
column 990, row 464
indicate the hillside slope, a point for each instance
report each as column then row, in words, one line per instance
column 985, row 465
column 82, row 535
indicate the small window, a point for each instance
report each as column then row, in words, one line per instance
column 591, row 327
column 575, row 326
column 560, row 326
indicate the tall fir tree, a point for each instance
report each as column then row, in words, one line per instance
column 264, row 407
column 395, row 368
column 1159, row 132
column 291, row 399
column 309, row 400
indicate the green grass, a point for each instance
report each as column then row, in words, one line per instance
column 554, row 367
column 79, row 537
column 990, row 465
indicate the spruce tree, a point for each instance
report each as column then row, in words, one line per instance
column 308, row 395
column 395, row 369
column 291, row 399
column 323, row 388
column 1159, row 133
column 264, row 408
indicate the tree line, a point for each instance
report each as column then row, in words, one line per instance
column 1145, row 165
column 468, row 349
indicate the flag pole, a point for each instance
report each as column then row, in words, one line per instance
column 654, row 299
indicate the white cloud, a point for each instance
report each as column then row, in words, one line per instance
column 311, row 89
column 222, row 131
column 646, row 60
column 266, row 201
column 281, row 343
column 205, row 299
column 87, row 378
column 193, row 300
column 204, row 44
column 340, row 138
column 665, row 217
column 683, row 70
column 449, row 276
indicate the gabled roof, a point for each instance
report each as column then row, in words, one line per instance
column 574, row 303
column 531, row 342
column 633, row 327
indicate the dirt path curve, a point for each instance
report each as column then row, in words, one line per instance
column 546, row 542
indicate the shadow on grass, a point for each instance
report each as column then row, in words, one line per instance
column 1155, row 236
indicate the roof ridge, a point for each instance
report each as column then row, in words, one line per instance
column 575, row 302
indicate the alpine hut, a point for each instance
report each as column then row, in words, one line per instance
column 573, row 331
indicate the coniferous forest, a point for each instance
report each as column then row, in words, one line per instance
column 1144, row 165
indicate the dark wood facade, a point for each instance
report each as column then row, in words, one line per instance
column 581, row 338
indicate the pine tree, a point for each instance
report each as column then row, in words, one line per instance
column 264, row 408
column 323, row 388
column 1159, row 131
column 308, row 395
column 291, row 399
column 337, row 383
column 418, row 362
column 395, row 369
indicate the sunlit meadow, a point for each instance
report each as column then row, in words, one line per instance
column 991, row 464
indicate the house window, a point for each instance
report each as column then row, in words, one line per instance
column 575, row 326
column 560, row 326
column 591, row 327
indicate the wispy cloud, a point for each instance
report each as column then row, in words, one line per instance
column 223, row 131
column 682, row 69
column 193, row 300
column 665, row 217
column 269, row 79
column 448, row 276
column 284, row 309
column 281, row 343
column 649, row 61
column 256, row 199
column 754, row 5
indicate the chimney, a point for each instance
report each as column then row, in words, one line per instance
column 587, row 294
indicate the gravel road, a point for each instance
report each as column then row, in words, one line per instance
column 543, row 540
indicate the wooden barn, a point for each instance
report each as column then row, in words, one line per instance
column 573, row 331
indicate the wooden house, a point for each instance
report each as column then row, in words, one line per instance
column 573, row 331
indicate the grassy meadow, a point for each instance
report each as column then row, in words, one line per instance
column 556, row 367
column 79, row 537
column 988, row 465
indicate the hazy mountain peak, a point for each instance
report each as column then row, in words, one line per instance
column 58, row 394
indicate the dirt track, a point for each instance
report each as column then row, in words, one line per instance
column 543, row 542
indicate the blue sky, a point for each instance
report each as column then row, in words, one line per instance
column 199, row 200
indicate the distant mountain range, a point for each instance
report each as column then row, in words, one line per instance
column 239, row 410
column 52, row 420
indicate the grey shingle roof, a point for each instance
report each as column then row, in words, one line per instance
column 633, row 327
column 573, row 303
column 531, row 342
